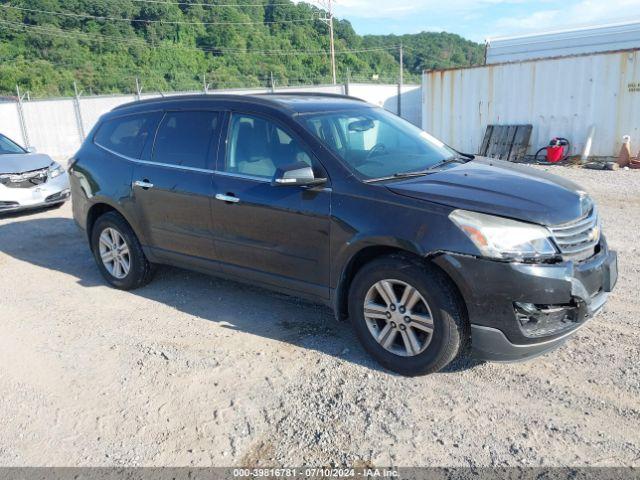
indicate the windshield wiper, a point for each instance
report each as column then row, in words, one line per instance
column 420, row 173
column 456, row 159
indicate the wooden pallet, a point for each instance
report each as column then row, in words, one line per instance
column 506, row 142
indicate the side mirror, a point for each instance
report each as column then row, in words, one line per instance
column 296, row 175
column 31, row 149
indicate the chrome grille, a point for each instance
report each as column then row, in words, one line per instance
column 578, row 240
column 24, row 180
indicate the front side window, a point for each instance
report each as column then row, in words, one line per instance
column 376, row 143
column 187, row 139
column 258, row 147
column 128, row 135
column 8, row 146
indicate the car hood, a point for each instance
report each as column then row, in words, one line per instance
column 499, row 188
column 23, row 162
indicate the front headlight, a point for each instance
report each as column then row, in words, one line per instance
column 503, row 239
column 55, row 170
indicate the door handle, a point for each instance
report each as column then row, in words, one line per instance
column 227, row 198
column 144, row 184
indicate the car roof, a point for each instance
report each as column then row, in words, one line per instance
column 292, row 103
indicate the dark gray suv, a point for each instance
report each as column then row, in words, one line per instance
column 432, row 254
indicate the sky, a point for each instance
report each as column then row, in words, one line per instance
column 480, row 19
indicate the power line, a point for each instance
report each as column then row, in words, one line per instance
column 213, row 5
column 122, row 40
column 138, row 20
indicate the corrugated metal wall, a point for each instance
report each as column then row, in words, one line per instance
column 559, row 97
column 602, row 38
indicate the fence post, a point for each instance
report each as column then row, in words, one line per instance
column 138, row 89
column 273, row 83
column 78, row 111
column 23, row 123
column 400, row 80
column 205, row 85
column 347, row 82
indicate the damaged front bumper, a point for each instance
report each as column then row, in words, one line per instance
column 53, row 192
column 519, row 311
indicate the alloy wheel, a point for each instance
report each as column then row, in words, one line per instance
column 114, row 253
column 398, row 317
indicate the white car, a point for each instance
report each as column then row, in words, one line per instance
column 29, row 179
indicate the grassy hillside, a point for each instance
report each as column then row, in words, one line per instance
column 46, row 45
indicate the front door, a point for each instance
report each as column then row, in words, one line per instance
column 279, row 233
column 173, row 190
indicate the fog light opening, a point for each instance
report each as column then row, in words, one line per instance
column 543, row 320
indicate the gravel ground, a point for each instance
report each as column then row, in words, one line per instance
column 192, row 370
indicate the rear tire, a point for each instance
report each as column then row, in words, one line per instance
column 425, row 317
column 118, row 253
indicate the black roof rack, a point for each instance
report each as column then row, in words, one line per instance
column 309, row 94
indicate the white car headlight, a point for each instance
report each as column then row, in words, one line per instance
column 504, row 239
column 55, row 170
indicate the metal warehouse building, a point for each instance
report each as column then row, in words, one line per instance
column 562, row 83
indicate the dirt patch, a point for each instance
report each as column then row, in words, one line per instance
column 192, row 370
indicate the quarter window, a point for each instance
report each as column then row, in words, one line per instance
column 127, row 135
column 187, row 139
column 257, row 147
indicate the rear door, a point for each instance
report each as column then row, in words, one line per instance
column 173, row 189
column 278, row 235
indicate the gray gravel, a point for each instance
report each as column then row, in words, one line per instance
column 192, row 370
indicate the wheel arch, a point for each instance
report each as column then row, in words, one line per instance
column 370, row 253
column 99, row 208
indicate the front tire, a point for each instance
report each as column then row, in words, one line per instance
column 408, row 315
column 118, row 253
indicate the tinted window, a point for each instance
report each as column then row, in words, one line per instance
column 257, row 147
column 187, row 139
column 128, row 135
column 7, row 146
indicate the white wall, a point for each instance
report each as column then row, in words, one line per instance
column 10, row 122
column 386, row 96
column 53, row 127
column 92, row 108
column 560, row 98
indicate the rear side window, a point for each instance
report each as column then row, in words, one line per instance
column 128, row 135
column 187, row 139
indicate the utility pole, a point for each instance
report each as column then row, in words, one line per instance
column 401, row 80
column 329, row 21
column 273, row 83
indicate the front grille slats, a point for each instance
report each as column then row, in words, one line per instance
column 25, row 180
column 577, row 225
column 578, row 240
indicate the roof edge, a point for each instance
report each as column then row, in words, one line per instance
column 531, row 60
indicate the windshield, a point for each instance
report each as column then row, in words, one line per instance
column 376, row 143
column 7, row 146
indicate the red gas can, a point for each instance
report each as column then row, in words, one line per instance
column 556, row 150
column 555, row 153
